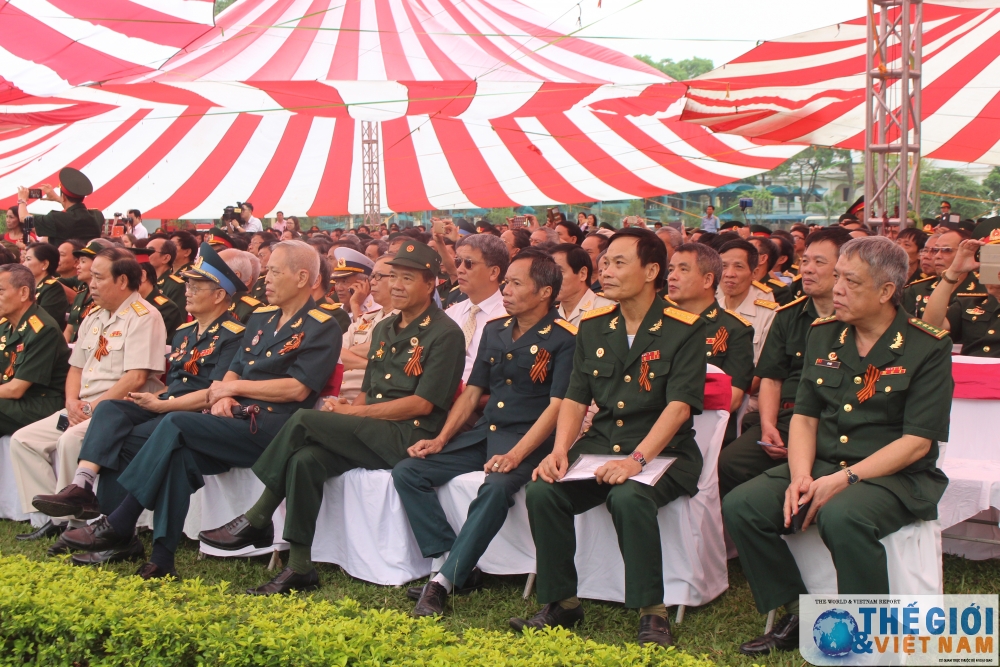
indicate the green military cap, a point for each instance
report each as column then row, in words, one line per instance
column 415, row 255
column 141, row 254
column 760, row 230
column 988, row 230
column 90, row 250
column 209, row 266
column 732, row 224
column 73, row 182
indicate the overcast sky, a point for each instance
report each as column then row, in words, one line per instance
column 717, row 29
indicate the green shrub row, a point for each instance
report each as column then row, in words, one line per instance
column 54, row 614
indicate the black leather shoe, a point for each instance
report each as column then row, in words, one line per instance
column 655, row 630
column 784, row 636
column 473, row 583
column 432, row 600
column 71, row 501
column 47, row 529
column 153, row 571
column 238, row 534
column 131, row 551
column 289, row 580
column 59, row 547
column 98, row 536
column 550, row 615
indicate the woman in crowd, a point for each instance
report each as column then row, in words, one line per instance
column 42, row 260
column 15, row 232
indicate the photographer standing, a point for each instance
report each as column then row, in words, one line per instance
column 135, row 226
column 249, row 223
column 75, row 222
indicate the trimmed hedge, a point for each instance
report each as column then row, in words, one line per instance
column 52, row 613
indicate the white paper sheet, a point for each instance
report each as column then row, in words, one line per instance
column 585, row 466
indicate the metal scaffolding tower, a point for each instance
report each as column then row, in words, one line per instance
column 892, row 108
column 369, row 161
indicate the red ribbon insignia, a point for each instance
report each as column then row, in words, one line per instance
column 293, row 343
column 868, row 390
column 721, row 342
column 539, row 370
column 644, row 384
column 102, row 348
column 9, row 373
column 413, row 366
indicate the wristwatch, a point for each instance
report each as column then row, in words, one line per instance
column 638, row 457
column 851, row 477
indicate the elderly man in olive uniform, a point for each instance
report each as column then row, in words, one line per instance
column 288, row 351
column 75, row 222
column 169, row 311
column 873, row 403
column 917, row 294
column 780, row 366
column 643, row 362
column 33, row 354
column 120, row 350
column 202, row 351
column 83, row 303
column 524, row 362
column 241, row 263
column 161, row 254
column 414, row 368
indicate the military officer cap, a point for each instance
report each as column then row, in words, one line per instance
column 395, row 235
column 72, row 182
column 351, row 262
column 760, row 230
column 988, row 230
column 415, row 255
column 732, row 224
column 484, row 227
column 465, row 228
column 217, row 237
column 209, row 266
column 91, row 249
column 141, row 254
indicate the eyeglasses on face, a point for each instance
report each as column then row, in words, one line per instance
column 942, row 251
column 468, row 263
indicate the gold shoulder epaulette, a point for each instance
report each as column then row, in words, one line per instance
column 762, row 287
column 927, row 328
column 681, row 315
column 139, row 309
column 742, row 319
column 824, row 320
column 922, row 280
column 771, row 305
column 777, row 283
column 51, row 281
column 250, row 301
column 265, row 309
column 331, row 306
column 566, row 325
column 597, row 312
column 36, row 323
column 319, row 315
column 235, row 327
column 177, row 279
column 160, row 300
column 453, row 289
column 971, row 294
column 790, row 304
column 3, row 320
column 187, row 324
column 600, row 294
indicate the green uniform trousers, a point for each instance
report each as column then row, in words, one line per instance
column 850, row 524
column 311, row 448
column 743, row 459
column 16, row 414
column 633, row 507
column 416, row 480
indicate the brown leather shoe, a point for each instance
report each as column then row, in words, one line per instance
column 98, row 536
column 59, row 547
column 550, row 615
column 72, row 501
column 238, row 534
column 289, row 580
column 47, row 529
column 473, row 583
column 432, row 600
column 655, row 630
column 152, row 571
column 784, row 636
column 131, row 551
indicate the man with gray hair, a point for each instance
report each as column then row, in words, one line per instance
column 481, row 262
column 246, row 266
column 872, row 405
column 544, row 235
column 672, row 239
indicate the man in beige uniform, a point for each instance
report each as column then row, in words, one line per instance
column 119, row 350
column 575, row 296
column 357, row 340
column 740, row 293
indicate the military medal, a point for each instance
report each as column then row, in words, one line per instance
column 413, row 366
column 540, row 368
column 868, row 390
column 293, row 343
column 414, row 341
column 534, row 349
column 256, row 339
column 976, row 311
column 893, row 370
column 600, row 352
column 102, row 348
column 721, row 342
column 644, row 374
column 380, row 351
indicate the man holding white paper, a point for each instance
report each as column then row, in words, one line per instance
column 643, row 362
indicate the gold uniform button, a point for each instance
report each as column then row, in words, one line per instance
column 500, row 404
column 509, row 356
column 986, row 348
column 843, row 439
column 378, row 395
column 628, row 378
column 393, row 349
column 87, row 386
column 857, row 380
column 416, row 422
column 888, row 389
column 991, row 332
column 251, row 363
column 493, row 427
column 270, row 409
column 798, row 354
column 388, row 375
column 848, row 408
column 621, row 404
column 708, row 354
column 248, row 349
column 616, row 448
column 843, row 464
column 508, row 380
column 619, row 423
column 595, row 372
column 268, row 353
column 652, row 375
column 819, row 380
column 184, row 380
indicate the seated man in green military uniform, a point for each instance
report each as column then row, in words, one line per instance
column 33, row 354
column 643, row 362
column 780, row 366
column 524, row 363
column 874, row 401
column 942, row 252
column 415, row 364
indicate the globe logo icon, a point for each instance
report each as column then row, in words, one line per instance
column 834, row 632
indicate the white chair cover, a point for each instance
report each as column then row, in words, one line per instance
column 10, row 502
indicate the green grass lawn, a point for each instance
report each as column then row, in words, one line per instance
column 714, row 630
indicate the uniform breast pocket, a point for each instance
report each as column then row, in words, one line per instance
column 657, row 374
column 523, row 380
column 889, row 400
column 827, row 382
column 602, row 379
column 114, row 361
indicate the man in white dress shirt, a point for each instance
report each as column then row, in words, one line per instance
column 481, row 261
column 575, row 296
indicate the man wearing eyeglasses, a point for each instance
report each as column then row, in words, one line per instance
column 481, row 261
column 358, row 337
column 162, row 253
column 942, row 254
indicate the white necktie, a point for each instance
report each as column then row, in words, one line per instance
column 469, row 329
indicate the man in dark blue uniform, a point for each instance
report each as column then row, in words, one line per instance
column 524, row 363
column 288, row 352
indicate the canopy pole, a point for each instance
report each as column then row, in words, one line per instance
column 892, row 111
column 370, row 161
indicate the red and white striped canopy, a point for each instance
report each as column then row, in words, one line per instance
column 480, row 104
column 810, row 88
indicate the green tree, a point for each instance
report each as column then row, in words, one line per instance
column 498, row 216
column 830, row 206
column 992, row 185
column 681, row 70
column 222, row 4
column 762, row 201
column 951, row 184
column 636, row 207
